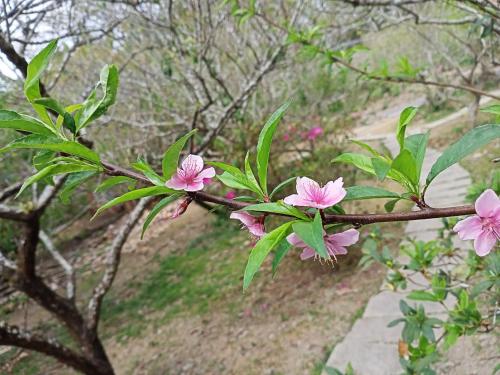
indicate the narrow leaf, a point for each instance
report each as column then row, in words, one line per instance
column 94, row 107
column 281, row 186
column 35, row 141
column 113, row 181
column 264, row 143
column 278, row 208
column 381, row 168
column 53, row 170
column 13, row 120
column 261, row 249
column 368, row 192
column 72, row 182
column 404, row 119
column 32, row 83
column 280, row 253
column 405, row 164
column 133, row 195
column 470, row 142
column 417, row 145
column 157, row 209
column 312, row 234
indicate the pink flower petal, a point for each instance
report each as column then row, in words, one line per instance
column 176, row 182
column 244, row 217
column 206, row 173
column 257, row 229
column 469, row 228
column 295, row 240
column 307, row 188
column 192, row 165
column 335, row 249
column 334, row 192
column 296, row 200
column 194, row 186
column 307, row 253
column 484, row 243
column 346, row 238
column 487, row 203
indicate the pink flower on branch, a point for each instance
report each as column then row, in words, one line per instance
column 483, row 228
column 314, row 133
column 230, row 195
column 335, row 243
column 191, row 176
column 254, row 224
column 310, row 194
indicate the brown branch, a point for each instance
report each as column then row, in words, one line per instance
column 14, row 336
column 10, row 191
column 112, row 263
column 418, row 81
column 355, row 219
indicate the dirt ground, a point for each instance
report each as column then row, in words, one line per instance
column 282, row 325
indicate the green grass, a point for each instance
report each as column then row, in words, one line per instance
column 190, row 282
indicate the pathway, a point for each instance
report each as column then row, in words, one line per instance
column 371, row 347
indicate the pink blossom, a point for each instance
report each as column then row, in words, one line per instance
column 335, row 243
column 255, row 225
column 314, row 133
column 483, row 228
column 230, row 195
column 191, row 176
column 286, row 137
column 310, row 194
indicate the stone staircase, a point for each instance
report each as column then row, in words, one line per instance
column 371, row 347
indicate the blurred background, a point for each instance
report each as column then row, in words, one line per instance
column 223, row 67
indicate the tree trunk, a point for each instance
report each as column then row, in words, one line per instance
column 474, row 110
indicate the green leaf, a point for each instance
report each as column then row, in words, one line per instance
column 251, row 177
column 92, row 107
column 368, row 192
column 171, row 157
column 389, row 206
column 367, row 147
column 422, row 295
column 280, row 253
column 381, row 168
column 68, row 120
column 13, row 120
column 360, row 161
column 232, row 181
column 278, row 208
column 281, row 186
column 133, row 195
column 395, row 322
column 261, row 249
column 405, row 164
column 35, row 141
column 235, row 178
column 53, row 170
column 417, row 145
column 72, row 182
column 470, row 142
column 481, row 287
column 312, row 234
column 156, row 210
column 32, row 83
column 113, row 181
column 264, row 143
column 143, row 166
column 404, row 119
column 494, row 109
